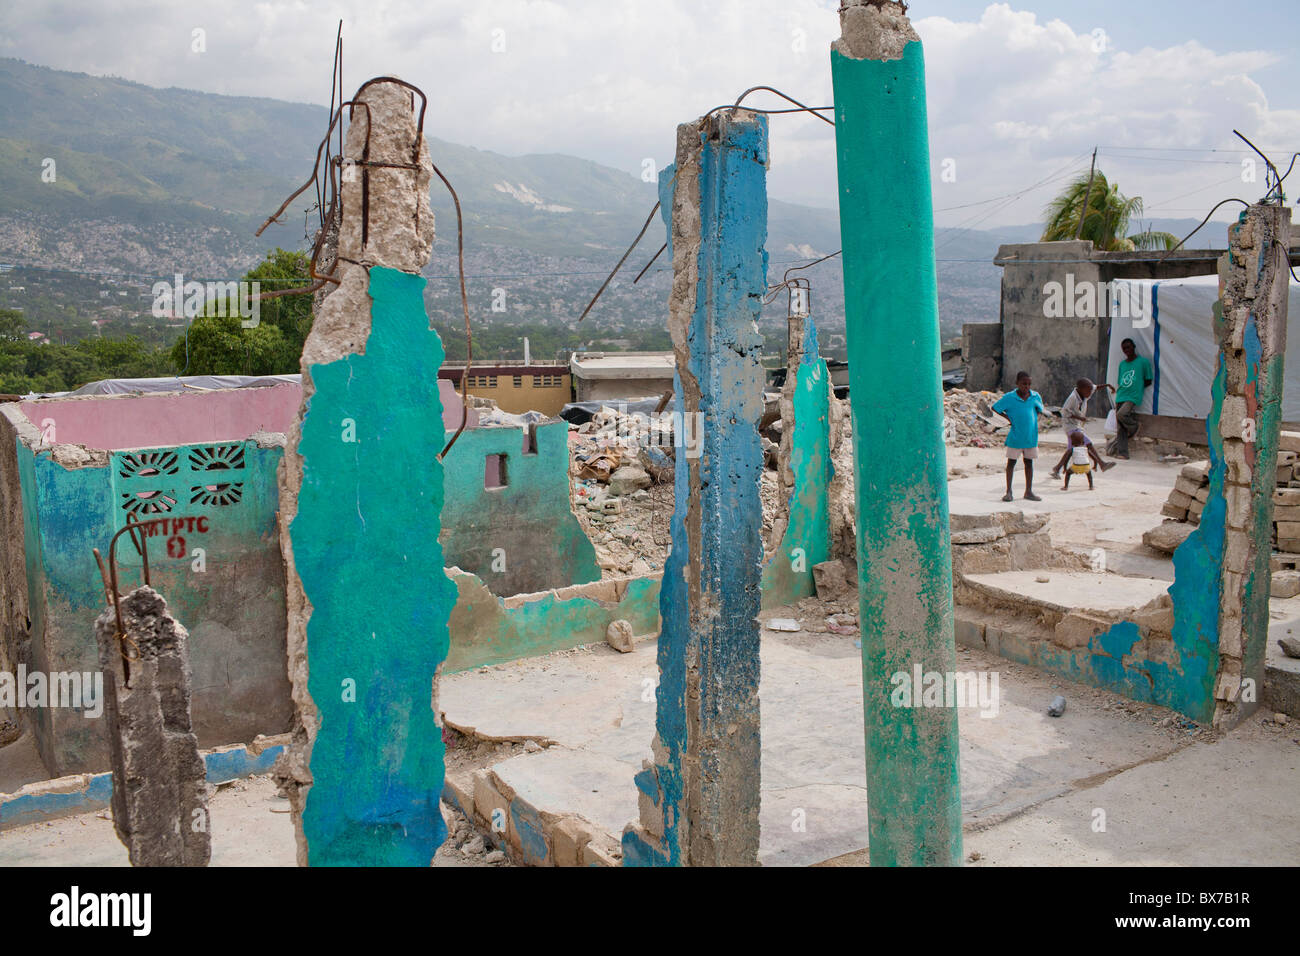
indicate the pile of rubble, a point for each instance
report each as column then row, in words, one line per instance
column 969, row 419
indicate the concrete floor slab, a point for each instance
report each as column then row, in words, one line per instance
column 813, row 772
column 1073, row 589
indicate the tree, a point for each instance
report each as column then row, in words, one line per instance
column 216, row 343
column 219, row 345
column 12, row 325
column 1106, row 220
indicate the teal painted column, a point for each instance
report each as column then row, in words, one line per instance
column 361, row 500
column 904, row 557
column 699, row 800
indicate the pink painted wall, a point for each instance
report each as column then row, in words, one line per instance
column 113, row 422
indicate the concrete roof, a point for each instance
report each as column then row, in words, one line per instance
column 596, row 365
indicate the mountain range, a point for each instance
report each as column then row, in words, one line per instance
column 152, row 182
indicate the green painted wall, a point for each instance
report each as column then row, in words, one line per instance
column 788, row 577
column 485, row 631
column 522, row 537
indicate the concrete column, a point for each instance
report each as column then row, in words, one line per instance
column 159, row 781
column 904, row 559
column 700, row 798
column 1250, row 325
column 361, row 504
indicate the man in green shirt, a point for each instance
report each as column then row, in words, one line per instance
column 1134, row 377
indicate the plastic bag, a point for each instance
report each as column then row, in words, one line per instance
column 1112, row 424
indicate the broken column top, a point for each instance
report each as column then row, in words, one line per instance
column 874, row 30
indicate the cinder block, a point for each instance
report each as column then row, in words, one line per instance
column 1287, row 497
column 1232, row 415
column 1179, row 500
column 487, row 803
column 1187, row 486
column 1202, row 494
column 1173, row 511
column 1288, row 529
column 569, row 838
column 601, row 851
column 1238, row 501
column 1236, row 550
column 1289, row 545
column 968, row 633
column 1285, row 584
column 1289, row 441
column 1196, row 471
column 1195, row 509
column 1078, row 628
column 462, row 793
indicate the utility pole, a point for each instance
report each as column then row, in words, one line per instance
column 1078, row 230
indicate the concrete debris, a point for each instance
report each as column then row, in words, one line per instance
column 784, row 624
column 1285, row 584
column 969, row 419
column 835, row 580
column 627, row 479
column 619, row 636
column 1290, row 646
column 1057, row 706
column 496, row 856
column 1167, row 536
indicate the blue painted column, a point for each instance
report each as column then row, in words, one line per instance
column 900, row 465
column 700, row 799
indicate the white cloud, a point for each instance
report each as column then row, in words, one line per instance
column 1012, row 98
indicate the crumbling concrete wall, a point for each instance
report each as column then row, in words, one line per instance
column 210, row 513
column 1243, row 426
column 521, row 537
column 700, row 798
column 361, row 505
column 488, row 630
column 801, row 529
column 160, row 808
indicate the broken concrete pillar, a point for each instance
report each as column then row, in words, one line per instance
column 700, row 799
column 801, row 529
column 159, row 781
column 904, row 559
column 1222, row 571
column 361, row 503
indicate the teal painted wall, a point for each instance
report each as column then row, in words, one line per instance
column 233, row 607
column 365, row 545
column 530, row 520
column 788, row 576
column 485, row 631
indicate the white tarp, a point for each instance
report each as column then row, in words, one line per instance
column 1176, row 333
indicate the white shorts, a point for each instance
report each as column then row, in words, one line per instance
column 1028, row 453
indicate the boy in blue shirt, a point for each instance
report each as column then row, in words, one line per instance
column 1021, row 408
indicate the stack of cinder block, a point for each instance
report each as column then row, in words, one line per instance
column 1286, row 499
column 1191, row 491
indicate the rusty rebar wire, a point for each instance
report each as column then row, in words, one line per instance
column 111, row 589
column 1180, row 242
column 610, row 278
column 650, row 263
column 1277, row 177
column 791, row 99
column 464, row 302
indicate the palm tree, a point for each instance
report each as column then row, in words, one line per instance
column 1106, row 220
